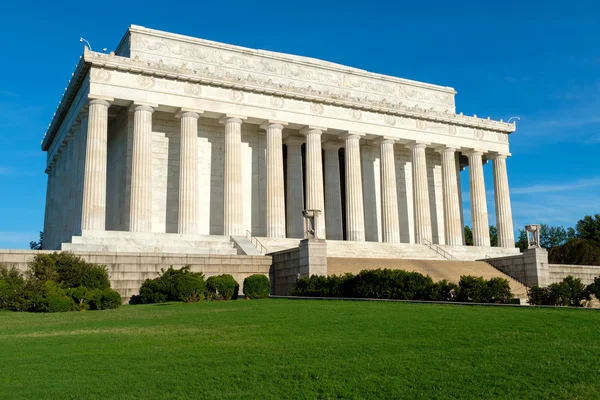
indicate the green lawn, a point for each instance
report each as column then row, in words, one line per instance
column 275, row 349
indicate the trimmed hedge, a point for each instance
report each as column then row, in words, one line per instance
column 222, row 287
column 174, row 285
column 257, row 287
column 403, row 285
column 55, row 283
column 570, row 292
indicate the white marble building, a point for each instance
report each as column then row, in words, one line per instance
column 182, row 138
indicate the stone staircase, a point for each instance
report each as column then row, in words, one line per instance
column 339, row 248
column 437, row 269
column 141, row 242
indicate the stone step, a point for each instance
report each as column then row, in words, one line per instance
column 155, row 236
column 167, row 248
column 149, row 242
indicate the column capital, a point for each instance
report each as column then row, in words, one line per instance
column 473, row 152
column 351, row 135
column 293, row 140
column 385, row 140
column 142, row 107
column 318, row 130
column 417, row 144
column 231, row 118
column 498, row 156
column 272, row 124
column 332, row 145
column 102, row 100
column 188, row 112
column 446, row 149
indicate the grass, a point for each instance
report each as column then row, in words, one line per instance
column 273, row 349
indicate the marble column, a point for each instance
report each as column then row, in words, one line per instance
column 504, row 223
column 333, row 190
column 69, row 199
column 233, row 190
column 188, row 213
column 140, row 212
column 315, row 199
column 48, row 210
column 479, row 213
column 450, row 190
column 460, row 202
column 420, row 193
column 81, row 148
column 355, row 219
column 389, row 195
column 275, row 201
column 295, row 188
column 93, row 215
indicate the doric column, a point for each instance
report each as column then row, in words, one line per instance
column 93, row 215
column 70, row 180
column 504, row 221
column 460, row 202
column 452, row 221
column 333, row 191
column 479, row 214
column 81, row 148
column 187, row 217
column 315, row 199
column 48, row 222
column 275, row 186
column 295, row 189
column 355, row 218
column 420, row 193
column 140, row 217
column 389, row 195
column 233, row 190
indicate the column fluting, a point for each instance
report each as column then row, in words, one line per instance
column 355, row 218
column 389, row 195
column 333, row 191
column 188, row 214
column 479, row 213
column 315, row 199
column 450, row 189
column 93, row 215
column 420, row 193
column 233, row 190
column 140, row 217
column 504, row 221
column 275, row 186
column 295, row 188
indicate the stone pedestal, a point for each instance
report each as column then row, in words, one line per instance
column 313, row 257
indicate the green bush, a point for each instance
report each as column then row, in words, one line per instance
column 69, row 270
column 569, row 292
column 257, row 287
column 222, row 287
column 403, row 285
column 94, row 299
column 594, row 287
column 576, row 251
column 12, row 286
column 174, row 285
column 53, row 298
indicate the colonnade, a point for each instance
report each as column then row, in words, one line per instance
column 284, row 204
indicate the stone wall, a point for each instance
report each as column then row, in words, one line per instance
column 309, row 258
column 128, row 271
column 530, row 267
column 586, row 273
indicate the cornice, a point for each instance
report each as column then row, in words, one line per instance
column 183, row 74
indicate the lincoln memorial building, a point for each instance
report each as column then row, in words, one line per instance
column 177, row 144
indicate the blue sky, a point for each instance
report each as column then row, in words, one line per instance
column 539, row 60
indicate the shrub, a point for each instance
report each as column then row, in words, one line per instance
column 174, row 285
column 472, row 289
column 111, row 299
column 498, row 291
column 576, row 251
column 94, row 299
column 68, row 270
column 222, row 287
column 393, row 284
column 53, row 299
column 12, row 286
column 569, row 292
column 444, row 291
column 594, row 287
column 257, row 286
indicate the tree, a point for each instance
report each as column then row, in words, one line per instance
column 493, row 236
column 552, row 236
column 521, row 243
column 589, row 227
column 468, row 236
column 37, row 245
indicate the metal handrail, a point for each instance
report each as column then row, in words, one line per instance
column 437, row 249
column 256, row 243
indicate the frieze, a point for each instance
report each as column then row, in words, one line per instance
column 148, row 70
